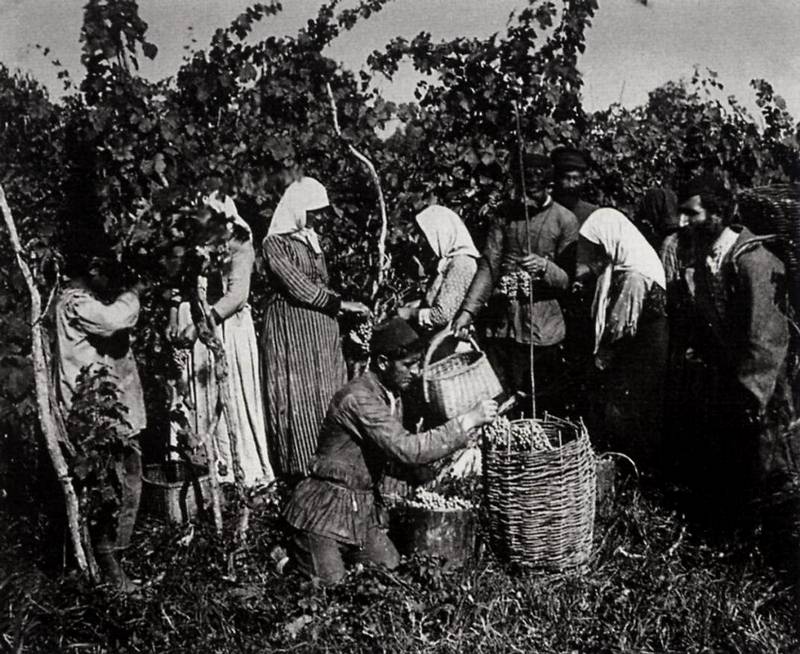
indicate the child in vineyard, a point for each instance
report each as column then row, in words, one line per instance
column 524, row 259
column 93, row 322
column 301, row 354
column 336, row 512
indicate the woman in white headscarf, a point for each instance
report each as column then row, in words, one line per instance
column 457, row 262
column 631, row 334
column 302, row 360
column 234, row 326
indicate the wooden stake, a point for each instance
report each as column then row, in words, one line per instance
column 521, row 151
column 42, row 386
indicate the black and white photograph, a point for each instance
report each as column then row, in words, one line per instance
column 426, row 326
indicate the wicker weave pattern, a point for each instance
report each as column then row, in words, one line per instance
column 776, row 210
column 541, row 504
column 454, row 384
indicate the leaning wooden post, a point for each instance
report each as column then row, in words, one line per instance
column 42, row 386
column 384, row 260
column 207, row 437
column 221, row 372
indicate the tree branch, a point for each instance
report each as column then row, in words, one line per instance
column 383, row 259
column 43, row 400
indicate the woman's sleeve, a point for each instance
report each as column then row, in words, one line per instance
column 294, row 282
column 238, row 283
column 457, row 280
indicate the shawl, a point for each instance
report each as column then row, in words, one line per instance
column 627, row 250
column 446, row 233
column 302, row 196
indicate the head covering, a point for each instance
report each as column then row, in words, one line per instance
column 568, row 158
column 626, row 249
column 392, row 335
column 226, row 207
column 302, row 196
column 659, row 209
column 446, row 233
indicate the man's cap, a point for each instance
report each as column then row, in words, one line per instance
column 568, row 158
column 392, row 335
column 701, row 185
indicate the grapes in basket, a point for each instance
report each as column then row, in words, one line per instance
column 519, row 436
column 431, row 501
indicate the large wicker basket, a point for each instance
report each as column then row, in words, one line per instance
column 776, row 210
column 541, row 504
column 455, row 383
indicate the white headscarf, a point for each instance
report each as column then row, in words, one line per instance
column 446, row 233
column 626, row 249
column 304, row 195
column 226, row 207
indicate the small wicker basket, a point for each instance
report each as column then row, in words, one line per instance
column 541, row 504
column 454, row 384
column 172, row 491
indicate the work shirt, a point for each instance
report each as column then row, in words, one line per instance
column 363, row 430
column 553, row 230
column 91, row 333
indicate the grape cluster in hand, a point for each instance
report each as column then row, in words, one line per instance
column 361, row 334
column 524, row 436
column 517, row 284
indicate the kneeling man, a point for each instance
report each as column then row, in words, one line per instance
column 336, row 511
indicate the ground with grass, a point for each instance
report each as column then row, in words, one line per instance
column 654, row 585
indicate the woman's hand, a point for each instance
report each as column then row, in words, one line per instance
column 408, row 312
column 462, row 325
column 483, row 413
column 188, row 334
column 355, row 307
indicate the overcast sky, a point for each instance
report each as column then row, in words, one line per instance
column 631, row 48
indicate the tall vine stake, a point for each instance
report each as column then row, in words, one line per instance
column 384, row 262
column 42, row 382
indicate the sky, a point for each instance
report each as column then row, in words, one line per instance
column 631, row 49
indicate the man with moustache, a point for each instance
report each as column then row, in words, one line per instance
column 539, row 252
column 743, row 336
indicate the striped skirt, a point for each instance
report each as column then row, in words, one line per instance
column 302, row 367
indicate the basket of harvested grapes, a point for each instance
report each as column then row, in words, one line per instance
column 430, row 523
column 540, row 486
column 453, row 384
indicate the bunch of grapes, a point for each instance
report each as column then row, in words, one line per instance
column 522, row 436
column 507, row 285
column 430, row 501
column 523, row 284
column 361, row 335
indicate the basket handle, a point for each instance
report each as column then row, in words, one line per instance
column 436, row 341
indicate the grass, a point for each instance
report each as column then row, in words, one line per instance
column 655, row 585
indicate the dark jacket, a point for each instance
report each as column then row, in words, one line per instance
column 750, row 338
column 361, row 433
column 553, row 234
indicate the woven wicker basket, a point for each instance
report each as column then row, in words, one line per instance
column 776, row 210
column 172, row 491
column 455, row 383
column 541, row 504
